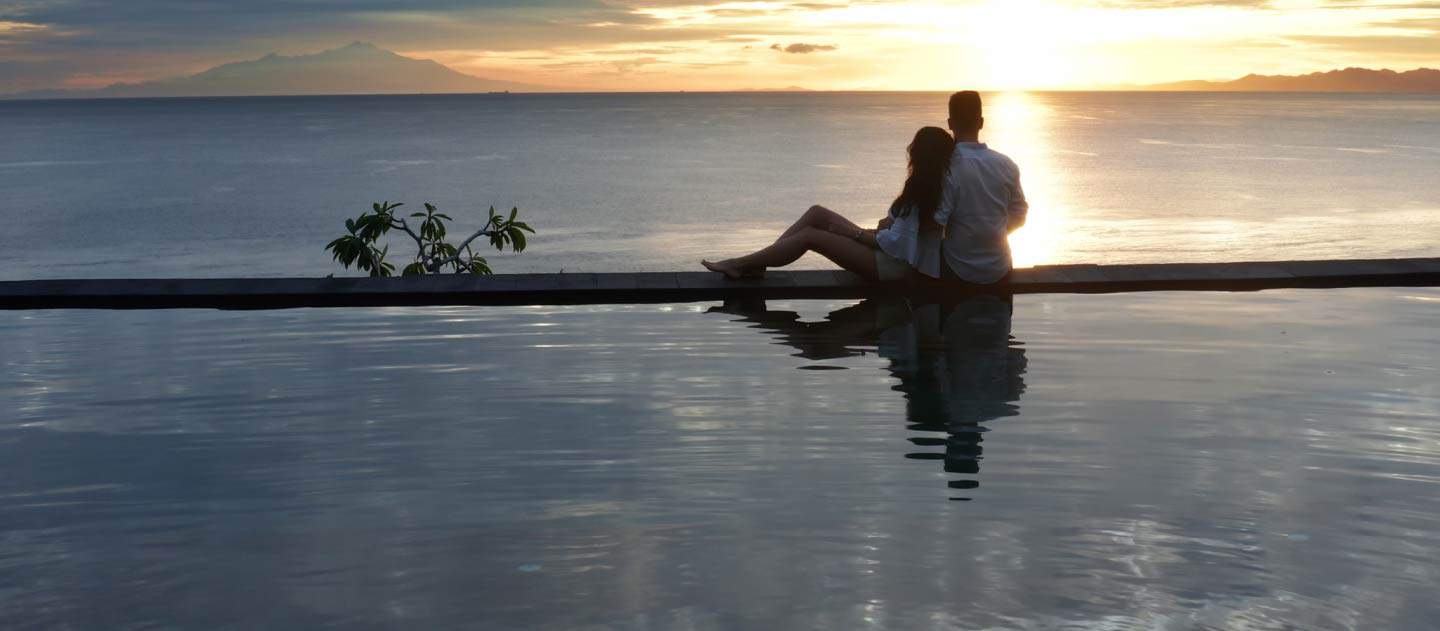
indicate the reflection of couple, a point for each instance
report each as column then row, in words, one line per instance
column 956, row 363
column 951, row 220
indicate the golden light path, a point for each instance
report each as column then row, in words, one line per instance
column 1019, row 125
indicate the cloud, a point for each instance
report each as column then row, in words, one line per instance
column 58, row 43
column 72, row 43
column 626, row 65
column 802, row 49
column 1365, row 4
column 191, row 24
column 1183, row 4
column 1414, row 24
column 1414, row 46
column 8, row 26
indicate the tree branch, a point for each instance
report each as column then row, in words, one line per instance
column 486, row 231
column 418, row 243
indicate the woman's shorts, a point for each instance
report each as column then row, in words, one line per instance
column 890, row 268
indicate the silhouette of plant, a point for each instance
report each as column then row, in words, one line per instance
column 434, row 255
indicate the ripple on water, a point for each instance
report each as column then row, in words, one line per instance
column 1158, row 460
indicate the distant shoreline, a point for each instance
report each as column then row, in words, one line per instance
column 364, row 69
column 512, row 94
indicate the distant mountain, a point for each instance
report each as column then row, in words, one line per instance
column 793, row 88
column 1347, row 80
column 359, row 68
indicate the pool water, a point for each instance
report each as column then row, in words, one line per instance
column 1157, row 461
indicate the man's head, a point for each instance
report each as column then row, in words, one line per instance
column 966, row 118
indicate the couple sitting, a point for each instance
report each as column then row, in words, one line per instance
column 951, row 221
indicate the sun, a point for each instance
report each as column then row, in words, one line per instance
column 993, row 45
column 1021, row 44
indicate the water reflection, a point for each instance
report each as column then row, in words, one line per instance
column 958, row 365
column 1187, row 460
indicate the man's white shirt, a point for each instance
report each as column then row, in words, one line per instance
column 981, row 201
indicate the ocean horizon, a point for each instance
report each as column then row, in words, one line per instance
column 255, row 186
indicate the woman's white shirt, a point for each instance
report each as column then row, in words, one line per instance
column 905, row 241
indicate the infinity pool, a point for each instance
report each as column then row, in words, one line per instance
column 1156, row 461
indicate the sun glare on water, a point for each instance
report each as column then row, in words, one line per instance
column 1017, row 124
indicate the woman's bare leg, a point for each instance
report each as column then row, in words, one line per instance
column 818, row 217
column 848, row 253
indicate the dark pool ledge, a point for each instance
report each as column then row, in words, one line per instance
column 652, row 287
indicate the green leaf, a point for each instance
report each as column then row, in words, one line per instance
column 348, row 250
column 479, row 267
column 518, row 238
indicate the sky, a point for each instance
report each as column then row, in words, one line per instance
column 721, row 45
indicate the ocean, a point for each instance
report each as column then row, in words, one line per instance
column 648, row 182
column 1159, row 461
column 1162, row 460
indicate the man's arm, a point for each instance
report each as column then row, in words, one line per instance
column 945, row 209
column 1018, row 207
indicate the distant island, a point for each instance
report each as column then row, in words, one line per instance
column 1347, row 80
column 792, row 88
column 358, row 68
column 363, row 68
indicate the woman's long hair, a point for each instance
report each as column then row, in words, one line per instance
column 929, row 161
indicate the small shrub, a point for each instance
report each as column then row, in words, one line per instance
column 434, row 254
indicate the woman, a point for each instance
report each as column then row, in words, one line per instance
column 907, row 239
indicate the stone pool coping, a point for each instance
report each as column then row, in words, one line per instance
column 659, row 287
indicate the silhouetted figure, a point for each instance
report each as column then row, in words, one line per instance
column 952, row 220
column 957, row 363
column 982, row 202
column 905, row 243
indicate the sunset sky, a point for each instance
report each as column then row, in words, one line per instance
column 671, row 45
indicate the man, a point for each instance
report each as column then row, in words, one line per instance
column 982, row 202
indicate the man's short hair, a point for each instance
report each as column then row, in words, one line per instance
column 965, row 110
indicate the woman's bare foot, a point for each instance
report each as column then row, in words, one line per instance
column 725, row 267
column 733, row 271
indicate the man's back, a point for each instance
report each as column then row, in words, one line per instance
column 982, row 204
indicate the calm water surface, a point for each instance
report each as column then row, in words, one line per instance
column 1155, row 461
column 628, row 182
